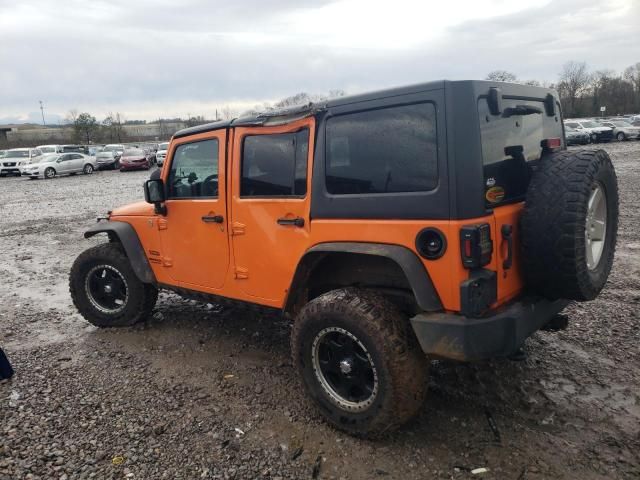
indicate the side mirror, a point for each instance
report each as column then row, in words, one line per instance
column 154, row 193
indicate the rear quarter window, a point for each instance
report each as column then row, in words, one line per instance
column 386, row 150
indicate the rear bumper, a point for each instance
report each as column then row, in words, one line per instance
column 456, row 337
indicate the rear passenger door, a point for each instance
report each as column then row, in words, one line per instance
column 270, row 206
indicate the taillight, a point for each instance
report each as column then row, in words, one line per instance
column 551, row 143
column 476, row 246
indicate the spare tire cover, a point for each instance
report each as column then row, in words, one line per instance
column 569, row 224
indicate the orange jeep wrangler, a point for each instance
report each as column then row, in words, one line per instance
column 441, row 220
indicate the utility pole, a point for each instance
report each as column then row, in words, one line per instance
column 42, row 110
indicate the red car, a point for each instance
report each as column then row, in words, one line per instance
column 134, row 159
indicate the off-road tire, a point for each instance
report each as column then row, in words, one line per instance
column 142, row 297
column 554, row 220
column 385, row 332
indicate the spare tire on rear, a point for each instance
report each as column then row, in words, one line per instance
column 569, row 225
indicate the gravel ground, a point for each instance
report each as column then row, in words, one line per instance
column 203, row 392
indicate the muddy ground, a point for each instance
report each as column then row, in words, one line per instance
column 204, row 392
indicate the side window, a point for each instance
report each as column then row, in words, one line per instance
column 194, row 170
column 388, row 150
column 275, row 165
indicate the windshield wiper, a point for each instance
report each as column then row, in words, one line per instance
column 521, row 110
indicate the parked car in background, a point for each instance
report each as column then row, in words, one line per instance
column 576, row 137
column 15, row 158
column 49, row 166
column 134, row 159
column 49, row 149
column 109, row 157
column 597, row 132
column 161, row 154
column 622, row 130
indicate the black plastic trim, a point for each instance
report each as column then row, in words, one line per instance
column 456, row 337
column 425, row 254
column 128, row 237
column 423, row 289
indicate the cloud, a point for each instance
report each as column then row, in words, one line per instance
column 164, row 58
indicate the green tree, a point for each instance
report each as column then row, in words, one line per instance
column 85, row 126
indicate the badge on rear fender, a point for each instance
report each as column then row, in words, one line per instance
column 495, row 195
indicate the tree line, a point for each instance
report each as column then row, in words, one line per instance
column 583, row 92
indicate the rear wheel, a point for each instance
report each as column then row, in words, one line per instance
column 569, row 225
column 49, row 173
column 105, row 289
column 359, row 361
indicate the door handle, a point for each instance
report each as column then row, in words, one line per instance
column 213, row 218
column 296, row 221
column 507, row 235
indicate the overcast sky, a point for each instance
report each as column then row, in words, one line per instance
column 166, row 58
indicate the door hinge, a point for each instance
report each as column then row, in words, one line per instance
column 162, row 224
column 237, row 228
column 241, row 273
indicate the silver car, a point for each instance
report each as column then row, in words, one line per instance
column 50, row 166
column 622, row 129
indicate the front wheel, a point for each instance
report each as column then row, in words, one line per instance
column 88, row 169
column 621, row 137
column 105, row 289
column 359, row 361
column 49, row 173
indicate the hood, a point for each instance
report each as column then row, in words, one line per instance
column 133, row 209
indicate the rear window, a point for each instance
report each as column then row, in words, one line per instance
column 387, row 150
column 510, row 147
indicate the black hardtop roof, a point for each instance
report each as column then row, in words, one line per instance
column 286, row 115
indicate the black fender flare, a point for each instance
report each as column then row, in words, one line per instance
column 127, row 236
column 423, row 289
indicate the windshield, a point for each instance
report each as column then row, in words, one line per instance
column 590, row 124
column 47, row 149
column 17, row 154
column 134, row 152
column 622, row 124
column 113, row 148
column 163, row 146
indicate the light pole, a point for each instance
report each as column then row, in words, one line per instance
column 42, row 110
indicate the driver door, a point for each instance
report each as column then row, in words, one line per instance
column 63, row 164
column 194, row 231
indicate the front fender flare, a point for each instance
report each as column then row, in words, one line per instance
column 128, row 237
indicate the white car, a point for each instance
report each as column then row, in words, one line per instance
column 161, row 154
column 50, row 166
column 13, row 160
column 597, row 132
column 49, row 149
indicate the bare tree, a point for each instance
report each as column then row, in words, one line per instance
column 632, row 75
column 574, row 80
column 501, row 76
column 227, row 113
column 72, row 116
